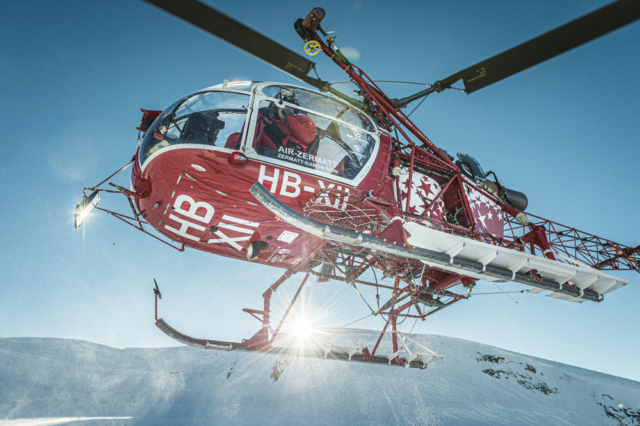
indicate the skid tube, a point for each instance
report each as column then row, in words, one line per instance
column 428, row 256
column 276, row 350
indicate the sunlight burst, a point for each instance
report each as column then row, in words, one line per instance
column 302, row 330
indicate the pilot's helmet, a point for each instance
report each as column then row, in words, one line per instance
column 287, row 95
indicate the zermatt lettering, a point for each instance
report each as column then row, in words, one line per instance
column 300, row 157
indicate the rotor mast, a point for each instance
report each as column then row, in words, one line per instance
column 373, row 94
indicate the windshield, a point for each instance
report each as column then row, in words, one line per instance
column 322, row 104
column 207, row 118
column 234, row 85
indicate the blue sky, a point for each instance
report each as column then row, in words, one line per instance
column 73, row 75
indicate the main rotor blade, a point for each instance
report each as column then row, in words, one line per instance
column 237, row 34
column 547, row 46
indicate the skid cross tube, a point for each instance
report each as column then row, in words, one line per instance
column 261, row 339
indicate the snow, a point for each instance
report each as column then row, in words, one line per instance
column 54, row 421
column 45, row 381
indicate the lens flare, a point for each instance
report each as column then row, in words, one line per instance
column 302, row 330
column 86, row 206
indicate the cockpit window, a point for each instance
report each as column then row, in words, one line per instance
column 324, row 105
column 309, row 140
column 207, row 118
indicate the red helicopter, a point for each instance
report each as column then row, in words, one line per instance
column 317, row 182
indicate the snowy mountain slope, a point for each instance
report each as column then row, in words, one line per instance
column 61, row 380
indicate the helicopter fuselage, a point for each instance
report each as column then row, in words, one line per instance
column 197, row 194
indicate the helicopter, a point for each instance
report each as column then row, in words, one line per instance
column 367, row 190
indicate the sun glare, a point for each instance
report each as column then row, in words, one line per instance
column 302, row 330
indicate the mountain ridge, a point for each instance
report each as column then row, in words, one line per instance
column 474, row 384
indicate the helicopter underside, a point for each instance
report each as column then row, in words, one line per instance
column 428, row 231
column 188, row 201
column 351, row 253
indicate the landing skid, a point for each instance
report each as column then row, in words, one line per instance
column 310, row 350
column 284, row 351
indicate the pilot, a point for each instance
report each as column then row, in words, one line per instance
column 202, row 127
column 280, row 128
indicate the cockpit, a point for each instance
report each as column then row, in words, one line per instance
column 205, row 118
column 281, row 124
